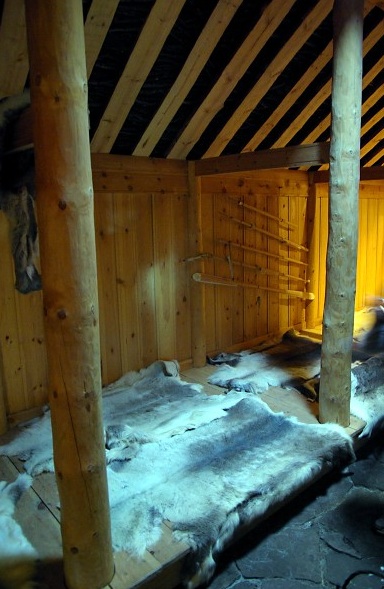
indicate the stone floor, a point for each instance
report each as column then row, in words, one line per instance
column 320, row 539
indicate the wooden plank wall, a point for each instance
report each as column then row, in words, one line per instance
column 238, row 315
column 142, row 240
column 369, row 276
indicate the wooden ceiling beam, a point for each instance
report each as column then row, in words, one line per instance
column 152, row 38
column 287, row 157
column 99, row 18
column 14, row 62
column 267, row 79
column 366, row 174
column 270, row 19
column 375, row 158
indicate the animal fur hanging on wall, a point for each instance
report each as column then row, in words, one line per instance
column 17, row 195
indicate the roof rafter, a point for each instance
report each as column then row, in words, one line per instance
column 286, row 157
column 99, row 18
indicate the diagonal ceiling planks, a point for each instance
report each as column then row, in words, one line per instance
column 160, row 21
column 198, row 57
column 264, row 83
column 192, row 80
column 270, row 20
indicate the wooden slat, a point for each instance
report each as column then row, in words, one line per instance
column 267, row 79
column 164, row 276
column 146, row 278
column 116, row 181
column 366, row 174
column 126, row 272
column 375, row 158
column 105, row 231
column 14, row 63
column 372, row 143
column 14, row 375
column 195, row 62
column 155, row 31
column 96, row 27
column 270, row 19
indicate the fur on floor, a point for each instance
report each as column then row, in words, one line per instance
column 206, row 464
column 295, row 362
column 17, row 555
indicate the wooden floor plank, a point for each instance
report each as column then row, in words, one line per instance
column 36, row 521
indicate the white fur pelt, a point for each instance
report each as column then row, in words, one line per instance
column 207, row 464
column 213, row 479
column 298, row 361
column 17, row 555
column 151, row 404
column 369, row 406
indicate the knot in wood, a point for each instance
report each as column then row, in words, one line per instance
column 62, row 313
column 62, row 205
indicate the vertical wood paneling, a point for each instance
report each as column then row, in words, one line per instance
column 274, row 299
column 264, row 312
column 126, row 272
column 144, row 282
column 146, row 279
column 285, row 304
column 111, row 367
column 182, row 279
column 164, row 276
column 260, row 298
column 224, row 295
column 362, row 254
column 207, row 212
column 236, row 233
column 379, row 289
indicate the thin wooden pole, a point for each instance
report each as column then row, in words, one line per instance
column 221, row 281
column 198, row 321
column 68, row 261
column 335, row 378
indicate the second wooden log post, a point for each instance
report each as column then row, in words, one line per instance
column 335, row 382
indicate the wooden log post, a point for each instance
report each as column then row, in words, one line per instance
column 198, row 323
column 335, row 382
column 68, row 262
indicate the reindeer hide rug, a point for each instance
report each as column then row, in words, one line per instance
column 206, row 464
